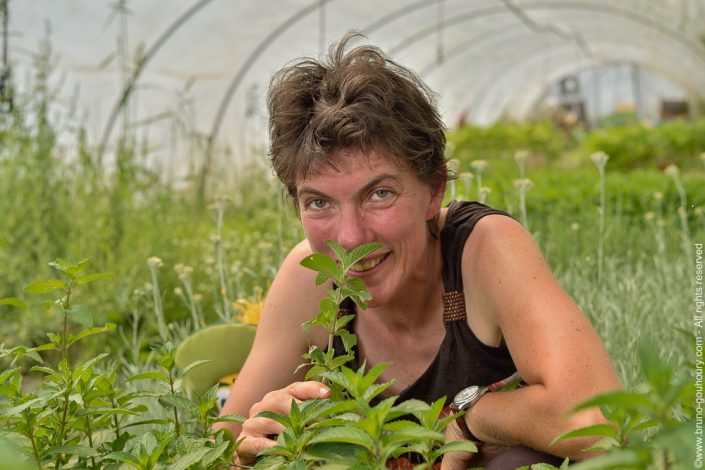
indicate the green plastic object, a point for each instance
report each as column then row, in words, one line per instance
column 225, row 346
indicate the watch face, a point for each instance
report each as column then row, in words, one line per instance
column 466, row 397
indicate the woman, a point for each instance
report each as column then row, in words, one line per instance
column 461, row 295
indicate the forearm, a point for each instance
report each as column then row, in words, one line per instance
column 532, row 416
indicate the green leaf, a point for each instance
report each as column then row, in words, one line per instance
column 359, row 252
column 322, row 264
column 176, row 401
column 619, row 399
column 213, row 454
column 60, row 265
column 604, row 430
column 349, row 435
column 124, row 457
column 92, row 277
column 278, row 417
column 189, row 459
column 456, row 446
column 193, row 365
column 163, row 422
column 13, row 302
column 615, row 459
column 6, row 374
column 414, row 434
column 80, row 315
column 340, row 252
column 43, row 287
column 149, row 375
column 230, row 419
column 81, row 451
column 15, row 410
column 90, row 332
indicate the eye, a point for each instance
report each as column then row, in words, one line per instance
column 317, row 204
column 381, row 194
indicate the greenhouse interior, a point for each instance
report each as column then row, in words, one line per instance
column 147, row 228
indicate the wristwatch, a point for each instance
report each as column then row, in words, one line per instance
column 467, row 397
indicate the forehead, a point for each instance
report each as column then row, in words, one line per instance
column 344, row 162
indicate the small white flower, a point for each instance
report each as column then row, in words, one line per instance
column 178, row 291
column 599, row 159
column 521, row 155
column 183, row 271
column 672, row 170
column 575, row 226
column 649, row 216
column 466, row 177
column 479, row 166
column 523, row 184
column 485, row 191
column 658, row 195
column 155, row 262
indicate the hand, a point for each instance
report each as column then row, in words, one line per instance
column 258, row 431
column 456, row 460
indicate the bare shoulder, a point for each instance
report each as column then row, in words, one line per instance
column 498, row 236
column 513, row 289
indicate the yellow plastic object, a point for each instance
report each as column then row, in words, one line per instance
column 226, row 347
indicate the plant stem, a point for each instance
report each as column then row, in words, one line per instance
column 116, row 422
column 221, row 269
column 65, row 307
column 32, row 439
column 601, row 239
column 89, row 434
column 177, row 427
column 62, row 428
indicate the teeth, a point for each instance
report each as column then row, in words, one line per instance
column 366, row 265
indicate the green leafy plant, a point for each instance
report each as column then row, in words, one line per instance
column 84, row 415
column 350, row 430
column 649, row 427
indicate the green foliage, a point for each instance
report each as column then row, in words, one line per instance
column 649, row 427
column 629, row 144
column 502, row 139
column 348, row 430
column 82, row 415
column 637, row 145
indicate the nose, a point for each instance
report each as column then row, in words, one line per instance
column 352, row 230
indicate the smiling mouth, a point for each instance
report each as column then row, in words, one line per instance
column 366, row 265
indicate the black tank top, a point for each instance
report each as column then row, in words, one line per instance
column 462, row 360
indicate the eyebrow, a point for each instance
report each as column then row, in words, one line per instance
column 366, row 188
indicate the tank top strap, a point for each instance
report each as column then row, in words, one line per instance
column 460, row 221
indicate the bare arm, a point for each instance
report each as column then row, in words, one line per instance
column 510, row 289
column 279, row 342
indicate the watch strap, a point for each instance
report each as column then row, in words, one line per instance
column 463, row 425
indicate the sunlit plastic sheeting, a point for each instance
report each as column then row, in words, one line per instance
column 486, row 58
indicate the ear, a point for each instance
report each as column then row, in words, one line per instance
column 438, row 192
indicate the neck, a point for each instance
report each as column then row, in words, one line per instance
column 419, row 301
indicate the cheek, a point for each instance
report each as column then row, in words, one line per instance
column 316, row 232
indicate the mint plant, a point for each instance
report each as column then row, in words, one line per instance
column 83, row 415
column 348, row 430
column 649, row 427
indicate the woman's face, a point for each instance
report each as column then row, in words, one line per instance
column 370, row 198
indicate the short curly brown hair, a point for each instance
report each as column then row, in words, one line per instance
column 356, row 100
